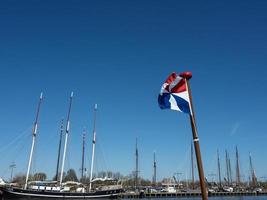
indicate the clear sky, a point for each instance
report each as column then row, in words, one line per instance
column 117, row 54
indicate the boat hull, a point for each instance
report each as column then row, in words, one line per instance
column 14, row 193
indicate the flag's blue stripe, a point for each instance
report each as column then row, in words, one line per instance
column 164, row 102
column 182, row 104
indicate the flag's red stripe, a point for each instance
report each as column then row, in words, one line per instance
column 180, row 87
column 170, row 79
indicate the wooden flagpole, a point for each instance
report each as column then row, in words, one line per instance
column 187, row 76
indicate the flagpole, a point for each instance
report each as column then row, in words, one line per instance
column 187, row 76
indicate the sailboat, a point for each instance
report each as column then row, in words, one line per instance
column 59, row 192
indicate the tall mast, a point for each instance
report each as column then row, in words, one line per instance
column 34, row 132
column 136, row 165
column 155, row 170
column 59, row 148
column 93, row 148
column 230, row 170
column 192, row 167
column 219, row 169
column 227, row 167
column 83, row 153
column 66, row 138
column 237, row 167
column 252, row 171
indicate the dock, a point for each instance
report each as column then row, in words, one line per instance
column 186, row 194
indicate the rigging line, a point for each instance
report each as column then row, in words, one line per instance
column 14, row 150
column 27, row 131
column 18, row 155
column 101, row 152
column 213, row 165
column 187, row 157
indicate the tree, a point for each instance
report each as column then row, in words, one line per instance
column 40, row 176
column 70, row 176
column 58, row 176
column 19, row 179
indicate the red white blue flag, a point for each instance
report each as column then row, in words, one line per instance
column 174, row 94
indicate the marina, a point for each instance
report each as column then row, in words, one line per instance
column 87, row 188
column 153, row 99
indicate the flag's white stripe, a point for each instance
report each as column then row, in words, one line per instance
column 173, row 103
column 163, row 90
column 184, row 95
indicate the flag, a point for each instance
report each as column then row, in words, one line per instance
column 174, row 94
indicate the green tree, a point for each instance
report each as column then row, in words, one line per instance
column 70, row 176
column 58, row 176
column 19, row 179
column 40, row 176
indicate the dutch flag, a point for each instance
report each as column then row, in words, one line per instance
column 174, row 94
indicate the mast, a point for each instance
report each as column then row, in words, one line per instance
column 252, row 171
column 230, row 170
column 93, row 148
column 192, row 167
column 136, row 165
column 219, row 169
column 187, row 76
column 66, row 138
column 59, row 148
column 155, row 170
column 227, row 167
column 83, row 153
column 237, row 167
column 34, row 132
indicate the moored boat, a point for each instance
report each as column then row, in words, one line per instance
column 54, row 190
column 17, row 193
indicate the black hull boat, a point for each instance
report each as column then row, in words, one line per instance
column 16, row 193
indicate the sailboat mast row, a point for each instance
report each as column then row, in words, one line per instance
column 52, row 190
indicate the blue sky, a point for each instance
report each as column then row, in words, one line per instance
column 117, row 54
